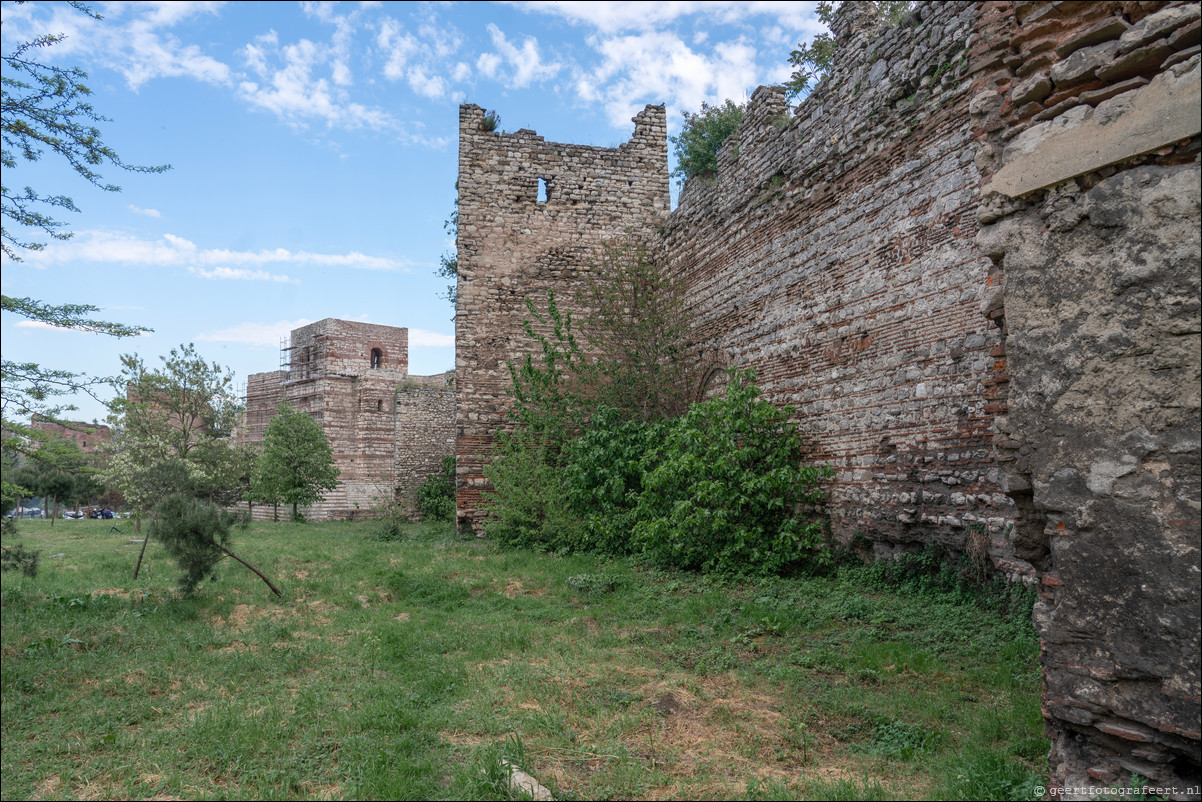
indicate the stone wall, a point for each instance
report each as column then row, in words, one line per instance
column 1088, row 125
column 88, row 436
column 423, row 437
column 971, row 261
column 834, row 254
column 350, row 377
column 513, row 245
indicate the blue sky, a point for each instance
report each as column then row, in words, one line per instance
column 314, row 147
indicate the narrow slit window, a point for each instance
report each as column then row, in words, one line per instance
column 542, row 190
column 379, row 406
column 377, row 357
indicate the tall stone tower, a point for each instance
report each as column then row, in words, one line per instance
column 532, row 215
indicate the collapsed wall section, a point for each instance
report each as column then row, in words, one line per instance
column 834, row 253
column 532, row 215
column 1087, row 123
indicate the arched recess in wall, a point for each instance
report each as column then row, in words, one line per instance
column 713, row 377
column 377, row 358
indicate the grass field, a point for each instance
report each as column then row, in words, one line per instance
column 408, row 669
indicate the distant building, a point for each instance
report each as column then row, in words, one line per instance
column 388, row 430
column 88, row 436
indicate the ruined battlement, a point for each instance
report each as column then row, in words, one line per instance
column 512, row 245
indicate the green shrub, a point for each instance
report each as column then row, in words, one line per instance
column 702, row 137
column 196, row 535
column 603, row 478
column 722, row 492
column 527, row 505
column 436, row 497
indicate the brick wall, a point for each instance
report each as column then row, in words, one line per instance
column 335, row 377
column 834, row 253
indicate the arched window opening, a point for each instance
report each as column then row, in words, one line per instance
column 379, row 406
column 377, row 357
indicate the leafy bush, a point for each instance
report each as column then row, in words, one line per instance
column 723, row 492
column 527, row 505
column 436, row 497
column 702, row 137
column 603, row 478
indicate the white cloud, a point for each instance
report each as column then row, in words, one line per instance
column 430, row 339
column 659, row 67
column 148, row 212
column 267, row 335
column 232, row 274
column 174, row 251
column 613, row 17
column 421, row 60
column 525, row 61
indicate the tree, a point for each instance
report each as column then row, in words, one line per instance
column 197, row 535
column 45, row 108
column 702, row 137
column 184, row 410
column 448, row 263
column 638, row 328
column 297, row 463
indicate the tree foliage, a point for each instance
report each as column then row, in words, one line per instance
column 703, row 135
column 726, row 489
column 448, row 263
column 637, row 328
column 197, row 536
column 184, row 410
column 721, row 487
column 436, row 496
column 45, row 109
column 297, row 463
column 813, row 61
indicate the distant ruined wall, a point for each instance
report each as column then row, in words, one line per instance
column 424, row 434
column 512, row 246
column 971, row 261
column 1087, row 121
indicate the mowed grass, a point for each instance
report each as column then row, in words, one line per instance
column 408, row 669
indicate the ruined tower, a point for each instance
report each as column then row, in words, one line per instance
column 532, row 216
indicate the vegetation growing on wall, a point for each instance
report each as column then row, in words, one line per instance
column 703, row 134
column 606, row 455
column 813, row 60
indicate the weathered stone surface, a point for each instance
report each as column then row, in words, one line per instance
column 1139, row 121
column 1104, row 357
column 1083, row 64
column 1032, row 90
column 1158, row 25
column 1145, row 60
column 1104, row 31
